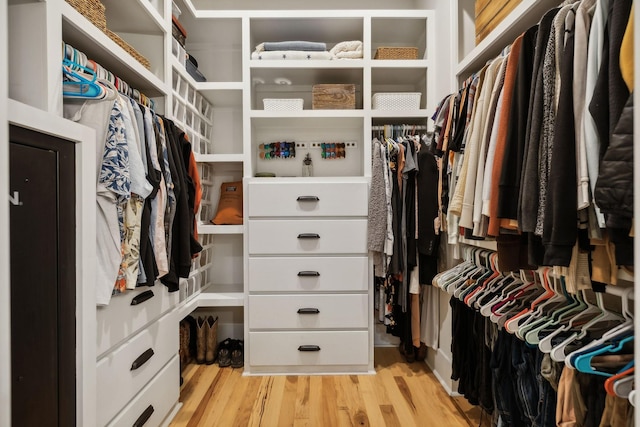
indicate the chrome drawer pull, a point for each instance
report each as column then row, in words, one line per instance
column 139, row 299
column 308, row 199
column 142, row 359
column 142, row 419
column 309, row 348
column 308, row 236
column 308, row 274
column 308, row 311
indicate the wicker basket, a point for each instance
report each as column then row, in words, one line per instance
column 396, row 53
column 93, row 10
column 292, row 104
column 396, row 101
column 126, row 46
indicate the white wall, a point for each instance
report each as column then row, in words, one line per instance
column 5, row 297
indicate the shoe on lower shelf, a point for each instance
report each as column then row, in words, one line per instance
column 237, row 354
column 224, row 353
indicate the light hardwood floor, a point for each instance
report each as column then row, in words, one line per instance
column 400, row 394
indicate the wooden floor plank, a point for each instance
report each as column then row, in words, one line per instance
column 400, row 394
column 288, row 410
column 249, row 402
column 222, row 397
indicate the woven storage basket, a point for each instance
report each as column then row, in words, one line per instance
column 396, row 101
column 93, row 10
column 396, row 53
column 290, row 104
column 126, row 46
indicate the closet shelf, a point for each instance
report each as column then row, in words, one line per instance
column 211, row 297
column 262, row 114
column 393, row 114
column 483, row 244
column 84, row 36
column 192, row 108
column 399, row 63
column 219, row 158
column 138, row 17
column 219, row 94
column 311, row 63
column 525, row 15
column 220, row 229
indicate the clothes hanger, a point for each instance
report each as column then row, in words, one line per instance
column 582, row 362
column 471, row 297
column 548, row 300
column 508, row 287
column 511, row 325
column 621, row 383
column 80, row 84
column 625, row 321
column 532, row 336
column 589, row 313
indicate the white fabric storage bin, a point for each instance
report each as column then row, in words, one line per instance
column 288, row 104
column 396, row 101
column 178, row 51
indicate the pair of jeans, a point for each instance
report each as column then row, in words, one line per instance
column 503, row 381
column 547, row 397
column 526, row 381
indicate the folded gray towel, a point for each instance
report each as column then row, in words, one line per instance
column 296, row 45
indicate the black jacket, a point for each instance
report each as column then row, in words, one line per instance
column 614, row 188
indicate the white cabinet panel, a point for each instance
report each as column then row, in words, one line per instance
column 155, row 401
column 130, row 312
column 346, row 311
column 323, row 348
column 307, row 199
column 122, row 373
column 308, row 237
column 308, row 274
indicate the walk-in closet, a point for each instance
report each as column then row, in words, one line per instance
column 278, row 213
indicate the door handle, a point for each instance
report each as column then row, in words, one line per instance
column 308, row 236
column 139, row 299
column 308, row 311
column 142, row 419
column 308, row 274
column 309, row 348
column 308, row 199
column 142, row 359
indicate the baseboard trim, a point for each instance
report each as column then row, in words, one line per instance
column 172, row 414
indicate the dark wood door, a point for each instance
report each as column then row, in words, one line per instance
column 42, row 227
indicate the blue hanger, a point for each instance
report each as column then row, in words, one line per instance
column 76, row 85
column 582, row 361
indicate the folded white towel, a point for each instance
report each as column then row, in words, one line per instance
column 349, row 55
column 347, row 46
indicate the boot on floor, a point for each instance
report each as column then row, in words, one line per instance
column 201, row 335
column 212, row 339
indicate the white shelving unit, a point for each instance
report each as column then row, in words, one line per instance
column 525, row 15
